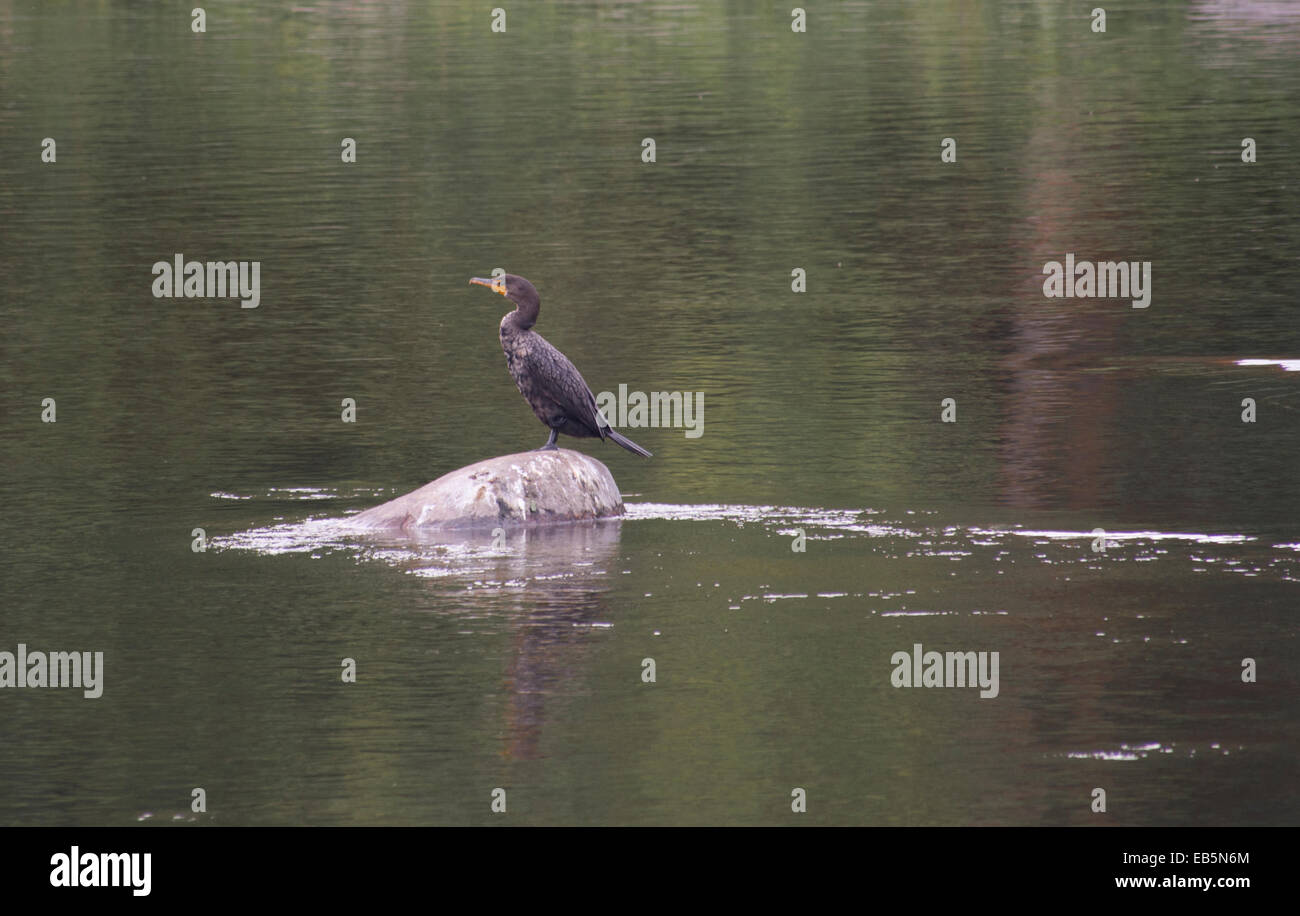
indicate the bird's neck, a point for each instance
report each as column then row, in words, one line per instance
column 522, row 318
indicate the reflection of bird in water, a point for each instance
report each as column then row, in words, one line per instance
column 548, row 381
column 553, row 647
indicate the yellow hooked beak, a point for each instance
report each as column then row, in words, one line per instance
column 496, row 284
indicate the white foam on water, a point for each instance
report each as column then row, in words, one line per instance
column 1286, row 365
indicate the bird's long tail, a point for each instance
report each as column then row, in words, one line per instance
column 627, row 443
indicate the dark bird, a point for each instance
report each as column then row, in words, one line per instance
column 551, row 385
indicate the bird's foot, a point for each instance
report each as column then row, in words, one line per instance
column 550, row 443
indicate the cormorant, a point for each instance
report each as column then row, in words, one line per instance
column 552, row 385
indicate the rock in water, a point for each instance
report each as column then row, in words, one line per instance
column 527, row 488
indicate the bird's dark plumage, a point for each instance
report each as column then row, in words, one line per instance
column 552, row 385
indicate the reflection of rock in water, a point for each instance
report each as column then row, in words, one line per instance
column 547, row 584
column 551, row 584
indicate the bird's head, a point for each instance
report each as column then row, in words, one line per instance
column 518, row 290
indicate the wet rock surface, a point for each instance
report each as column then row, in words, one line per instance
column 527, row 488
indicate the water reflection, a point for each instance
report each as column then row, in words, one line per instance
column 548, row 585
column 566, row 572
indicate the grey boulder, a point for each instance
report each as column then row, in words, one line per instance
column 526, row 488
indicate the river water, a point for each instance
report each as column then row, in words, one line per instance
column 824, row 518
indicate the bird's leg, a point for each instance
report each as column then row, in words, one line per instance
column 550, row 443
